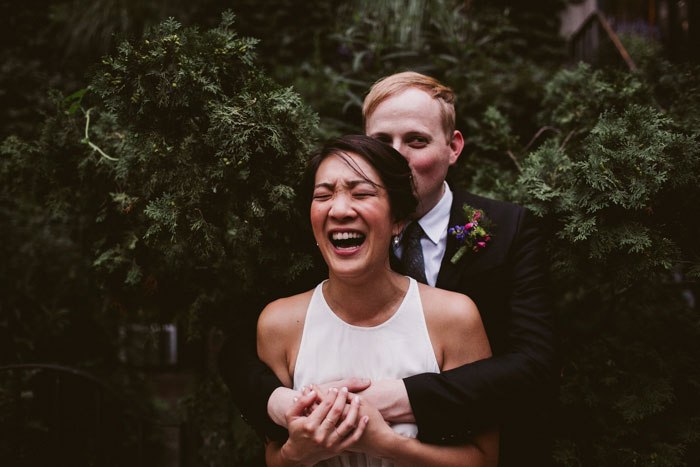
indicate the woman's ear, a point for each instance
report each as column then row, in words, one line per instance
column 397, row 228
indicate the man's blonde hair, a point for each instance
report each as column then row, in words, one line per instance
column 399, row 82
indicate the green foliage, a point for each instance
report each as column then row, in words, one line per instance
column 188, row 154
column 615, row 182
column 163, row 192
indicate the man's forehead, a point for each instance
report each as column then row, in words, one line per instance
column 412, row 106
column 409, row 98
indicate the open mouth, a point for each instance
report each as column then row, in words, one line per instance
column 346, row 240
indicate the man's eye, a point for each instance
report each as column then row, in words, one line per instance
column 321, row 196
column 417, row 141
column 363, row 195
column 383, row 139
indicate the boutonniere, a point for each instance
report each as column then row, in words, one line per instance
column 473, row 235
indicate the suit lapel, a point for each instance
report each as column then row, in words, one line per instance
column 449, row 274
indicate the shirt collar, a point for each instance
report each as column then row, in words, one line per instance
column 434, row 222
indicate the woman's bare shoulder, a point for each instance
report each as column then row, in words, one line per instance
column 455, row 327
column 284, row 313
column 448, row 308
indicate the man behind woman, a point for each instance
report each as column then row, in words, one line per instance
column 507, row 280
column 365, row 321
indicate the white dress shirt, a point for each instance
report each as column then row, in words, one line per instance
column 434, row 223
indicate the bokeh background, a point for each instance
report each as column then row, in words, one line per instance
column 149, row 154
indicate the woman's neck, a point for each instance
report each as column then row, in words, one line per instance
column 366, row 301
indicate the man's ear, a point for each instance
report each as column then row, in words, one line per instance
column 456, row 146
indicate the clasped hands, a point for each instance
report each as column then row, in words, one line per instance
column 324, row 421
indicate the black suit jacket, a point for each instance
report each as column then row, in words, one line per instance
column 508, row 282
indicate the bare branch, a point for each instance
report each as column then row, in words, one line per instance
column 515, row 160
column 566, row 140
column 537, row 135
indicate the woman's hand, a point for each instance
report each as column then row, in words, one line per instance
column 281, row 399
column 378, row 436
column 324, row 432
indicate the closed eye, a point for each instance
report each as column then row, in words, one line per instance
column 363, row 195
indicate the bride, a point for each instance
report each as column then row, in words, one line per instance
column 364, row 321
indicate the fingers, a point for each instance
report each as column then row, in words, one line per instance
column 301, row 404
column 321, row 411
column 355, row 435
column 356, row 384
column 336, row 411
column 353, row 384
column 350, row 420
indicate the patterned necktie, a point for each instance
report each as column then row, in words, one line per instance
column 412, row 256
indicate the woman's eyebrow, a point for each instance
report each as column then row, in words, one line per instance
column 354, row 183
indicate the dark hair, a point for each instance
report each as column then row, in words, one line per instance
column 392, row 167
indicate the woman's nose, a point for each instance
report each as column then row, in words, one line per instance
column 341, row 207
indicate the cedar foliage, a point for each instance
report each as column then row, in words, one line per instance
column 615, row 187
column 180, row 154
column 169, row 182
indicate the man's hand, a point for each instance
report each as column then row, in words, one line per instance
column 391, row 399
column 388, row 396
column 282, row 399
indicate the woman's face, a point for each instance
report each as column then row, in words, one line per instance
column 351, row 217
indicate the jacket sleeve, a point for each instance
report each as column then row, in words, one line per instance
column 450, row 406
column 250, row 382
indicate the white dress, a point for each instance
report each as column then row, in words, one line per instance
column 332, row 349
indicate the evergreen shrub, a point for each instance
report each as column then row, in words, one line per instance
column 616, row 186
column 170, row 181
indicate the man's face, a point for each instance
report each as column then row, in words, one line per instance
column 411, row 122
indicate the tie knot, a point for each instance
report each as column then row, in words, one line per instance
column 414, row 232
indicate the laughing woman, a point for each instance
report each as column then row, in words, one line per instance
column 365, row 321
